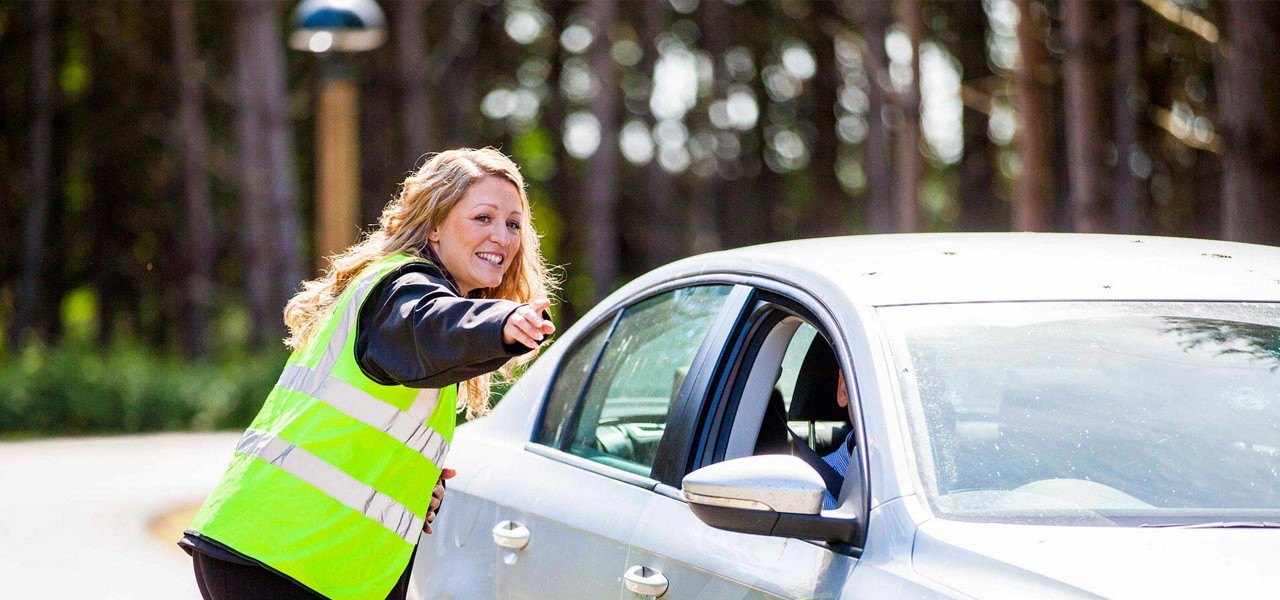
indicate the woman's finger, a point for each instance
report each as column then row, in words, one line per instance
column 448, row 473
column 518, row 334
column 524, row 324
column 512, row 334
column 524, row 338
column 530, row 327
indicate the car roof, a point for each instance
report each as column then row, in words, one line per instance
column 879, row 270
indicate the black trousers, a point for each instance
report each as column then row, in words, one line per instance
column 222, row 580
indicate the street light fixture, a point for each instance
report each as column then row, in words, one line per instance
column 333, row 29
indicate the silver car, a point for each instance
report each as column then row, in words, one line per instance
column 1029, row 416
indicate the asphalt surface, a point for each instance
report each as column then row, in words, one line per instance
column 75, row 513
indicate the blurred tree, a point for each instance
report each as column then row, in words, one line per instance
column 1090, row 212
column 662, row 239
column 125, row 131
column 271, row 235
column 1250, row 117
column 600, row 185
column 719, row 122
column 1129, row 217
column 830, row 209
column 381, row 128
column 192, row 136
column 417, row 112
column 1033, row 190
column 910, row 163
column 763, row 192
column 980, row 208
column 458, row 72
column 716, row 208
column 39, row 185
column 877, row 150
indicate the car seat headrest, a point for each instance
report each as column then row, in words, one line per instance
column 814, row 398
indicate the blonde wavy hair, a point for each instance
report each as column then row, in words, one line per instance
column 425, row 198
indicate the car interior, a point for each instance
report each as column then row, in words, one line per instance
column 813, row 417
column 788, row 404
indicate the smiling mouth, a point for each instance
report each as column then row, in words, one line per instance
column 491, row 258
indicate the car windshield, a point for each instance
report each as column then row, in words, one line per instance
column 1094, row 413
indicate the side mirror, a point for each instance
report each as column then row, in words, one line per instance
column 775, row 495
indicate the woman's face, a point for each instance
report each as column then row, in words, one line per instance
column 480, row 237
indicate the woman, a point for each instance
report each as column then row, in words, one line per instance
column 328, row 490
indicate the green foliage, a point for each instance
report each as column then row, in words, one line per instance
column 75, row 74
column 76, row 389
column 80, row 315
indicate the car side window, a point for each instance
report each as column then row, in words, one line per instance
column 574, row 370
column 645, row 359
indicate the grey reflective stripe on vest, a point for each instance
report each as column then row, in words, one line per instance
column 408, row 428
column 334, row 482
column 345, row 326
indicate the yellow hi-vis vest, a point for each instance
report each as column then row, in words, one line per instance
column 331, row 483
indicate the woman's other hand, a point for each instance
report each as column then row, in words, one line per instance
column 437, row 496
column 527, row 326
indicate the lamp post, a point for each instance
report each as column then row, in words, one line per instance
column 333, row 29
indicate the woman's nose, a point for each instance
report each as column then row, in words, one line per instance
column 501, row 235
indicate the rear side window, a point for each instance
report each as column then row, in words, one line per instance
column 640, row 368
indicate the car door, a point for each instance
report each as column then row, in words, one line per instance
column 581, row 487
column 699, row 561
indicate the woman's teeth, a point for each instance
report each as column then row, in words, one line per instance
column 495, row 259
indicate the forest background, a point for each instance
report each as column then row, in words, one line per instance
column 157, row 163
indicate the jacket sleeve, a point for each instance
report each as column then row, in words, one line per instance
column 414, row 330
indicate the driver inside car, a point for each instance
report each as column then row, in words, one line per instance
column 838, row 458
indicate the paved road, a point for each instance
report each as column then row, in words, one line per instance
column 74, row 513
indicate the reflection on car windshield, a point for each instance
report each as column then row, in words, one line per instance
column 1099, row 412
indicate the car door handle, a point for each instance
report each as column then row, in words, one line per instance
column 645, row 581
column 510, row 534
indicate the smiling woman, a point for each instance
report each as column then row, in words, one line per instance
column 331, row 486
column 479, row 237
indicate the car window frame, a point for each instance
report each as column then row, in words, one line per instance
column 691, row 390
column 770, row 302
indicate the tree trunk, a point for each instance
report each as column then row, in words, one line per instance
column 459, row 78
column 600, row 189
column 1033, row 191
column 285, row 213
column 193, row 142
column 829, row 207
column 980, row 208
column 412, row 66
column 1089, row 210
column 876, row 150
column 259, row 246
column 910, row 172
column 1250, row 117
column 39, row 185
column 381, row 158
column 1129, row 217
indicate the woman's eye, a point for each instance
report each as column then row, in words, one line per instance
column 483, row 218
column 514, row 225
